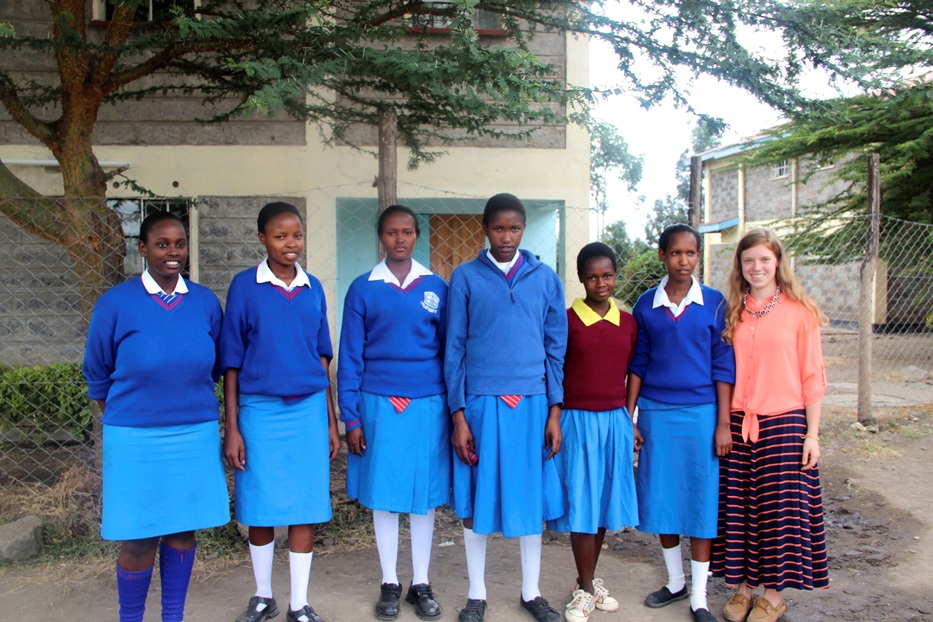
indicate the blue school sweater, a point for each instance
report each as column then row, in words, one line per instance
column 680, row 360
column 152, row 365
column 391, row 342
column 502, row 338
column 275, row 338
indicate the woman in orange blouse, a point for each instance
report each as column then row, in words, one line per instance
column 771, row 531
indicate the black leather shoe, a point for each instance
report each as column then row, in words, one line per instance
column 422, row 598
column 388, row 606
column 702, row 615
column 540, row 609
column 474, row 611
column 663, row 597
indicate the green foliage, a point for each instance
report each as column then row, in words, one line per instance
column 641, row 272
column 610, row 156
column 40, row 401
column 616, row 236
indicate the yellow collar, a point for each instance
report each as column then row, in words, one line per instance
column 590, row 317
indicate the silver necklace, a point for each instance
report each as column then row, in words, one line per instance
column 768, row 307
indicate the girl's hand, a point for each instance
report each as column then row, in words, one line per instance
column 333, row 439
column 811, row 453
column 723, row 439
column 462, row 438
column 553, row 436
column 356, row 441
column 234, row 449
column 639, row 439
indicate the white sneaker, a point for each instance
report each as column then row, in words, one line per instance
column 602, row 600
column 580, row 607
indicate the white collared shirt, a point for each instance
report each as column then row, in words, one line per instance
column 264, row 275
column 153, row 288
column 382, row 273
column 694, row 294
column 505, row 266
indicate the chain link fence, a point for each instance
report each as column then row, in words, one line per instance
column 46, row 422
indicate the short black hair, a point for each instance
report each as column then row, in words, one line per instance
column 276, row 208
column 503, row 202
column 595, row 249
column 156, row 217
column 397, row 209
column 665, row 240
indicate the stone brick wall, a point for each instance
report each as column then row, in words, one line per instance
column 40, row 312
column 720, row 264
column 834, row 288
column 724, row 194
column 767, row 198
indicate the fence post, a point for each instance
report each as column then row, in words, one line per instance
column 694, row 207
column 866, row 301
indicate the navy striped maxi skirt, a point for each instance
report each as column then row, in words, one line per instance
column 771, row 530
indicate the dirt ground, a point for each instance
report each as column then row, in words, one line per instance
column 879, row 513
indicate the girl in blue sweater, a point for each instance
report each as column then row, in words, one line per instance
column 506, row 336
column 681, row 378
column 163, row 477
column 391, row 393
column 281, row 430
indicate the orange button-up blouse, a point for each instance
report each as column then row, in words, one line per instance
column 778, row 363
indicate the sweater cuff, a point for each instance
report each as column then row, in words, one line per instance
column 352, row 425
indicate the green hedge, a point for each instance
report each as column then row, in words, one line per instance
column 39, row 401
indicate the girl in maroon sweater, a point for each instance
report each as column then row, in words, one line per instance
column 595, row 461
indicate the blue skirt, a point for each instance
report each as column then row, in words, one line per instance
column 406, row 465
column 162, row 480
column 678, row 471
column 595, row 467
column 287, row 475
column 512, row 489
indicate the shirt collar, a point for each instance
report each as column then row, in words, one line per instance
column 264, row 275
column 382, row 273
column 153, row 288
column 694, row 294
column 504, row 266
column 590, row 317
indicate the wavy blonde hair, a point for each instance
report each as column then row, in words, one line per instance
column 737, row 285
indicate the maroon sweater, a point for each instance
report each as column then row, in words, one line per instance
column 596, row 363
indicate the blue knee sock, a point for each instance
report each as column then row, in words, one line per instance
column 175, row 570
column 132, row 589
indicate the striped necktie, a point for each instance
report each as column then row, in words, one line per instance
column 511, row 400
column 400, row 403
column 167, row 300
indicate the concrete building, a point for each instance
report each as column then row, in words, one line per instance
column 218, row 176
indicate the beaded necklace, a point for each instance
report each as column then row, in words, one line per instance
column 768, row 307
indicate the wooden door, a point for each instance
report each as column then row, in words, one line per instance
column 455, row 238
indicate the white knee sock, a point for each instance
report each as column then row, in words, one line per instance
column 422, row 534
column 675, row 569
column 262, row 567
column 299, row 567
column 386, row 526
column 475, row 545
column 699, row 572
column 531, row 565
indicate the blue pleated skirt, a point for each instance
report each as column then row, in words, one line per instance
column 287, row 475
column 406, row 465
column 678, row 471
column 162, row 480
column 513, row 489
column 595, row 468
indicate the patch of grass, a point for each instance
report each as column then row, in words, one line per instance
column 874, row 446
